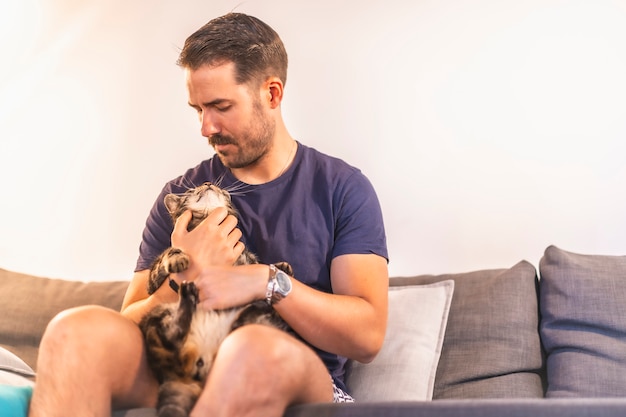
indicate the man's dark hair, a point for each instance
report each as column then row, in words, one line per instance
column 253, row 46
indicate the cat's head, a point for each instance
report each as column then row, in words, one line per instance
column 201, row 201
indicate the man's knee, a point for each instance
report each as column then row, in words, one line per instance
column 93, row 341
column 86, row 324
column 274, row 358
column 260, row 345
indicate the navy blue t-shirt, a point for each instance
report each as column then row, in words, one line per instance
column 318, row 209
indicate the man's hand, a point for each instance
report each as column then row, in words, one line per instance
column 229, row 286
column 214, row 242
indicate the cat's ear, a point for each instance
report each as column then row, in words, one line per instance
column 172, row 202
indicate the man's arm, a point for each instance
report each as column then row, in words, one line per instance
column 137, row 302
column 351, row 322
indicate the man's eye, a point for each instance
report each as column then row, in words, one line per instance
column 223, row 108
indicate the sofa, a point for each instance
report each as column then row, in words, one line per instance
column 516, row 341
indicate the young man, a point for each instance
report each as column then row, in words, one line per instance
column 296, row 204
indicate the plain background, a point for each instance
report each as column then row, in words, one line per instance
column 490, row 128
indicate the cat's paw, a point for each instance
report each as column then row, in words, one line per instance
column 285, row 267
column 189, row 291
column 175, row 260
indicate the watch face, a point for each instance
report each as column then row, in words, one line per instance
column 283, row 281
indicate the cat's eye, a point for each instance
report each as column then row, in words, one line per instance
column 200, row 363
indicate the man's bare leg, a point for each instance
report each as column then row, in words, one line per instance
column 259, row 371
column 91, row 358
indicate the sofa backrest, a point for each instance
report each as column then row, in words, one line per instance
column 29, row 303
column 583, row 325
column 492, row 347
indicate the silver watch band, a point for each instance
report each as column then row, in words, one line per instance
column 271, row 285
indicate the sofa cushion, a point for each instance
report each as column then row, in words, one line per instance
column 15, row 388
column 14, row 400
column 491, row 347
column 12, row 363
column 583, row 325
column 405, row 368
column 30, row 302
column 14, row 371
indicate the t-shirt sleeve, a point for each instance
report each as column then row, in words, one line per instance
column 156, row 235
column 359, row 223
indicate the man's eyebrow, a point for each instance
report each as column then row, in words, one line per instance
column 213, row 103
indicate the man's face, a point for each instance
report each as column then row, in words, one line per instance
column 232, row 116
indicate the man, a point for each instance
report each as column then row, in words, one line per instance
column 296, row 204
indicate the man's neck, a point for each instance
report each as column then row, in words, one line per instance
column 271, row 166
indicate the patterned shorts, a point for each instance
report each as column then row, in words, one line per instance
column 340, row 396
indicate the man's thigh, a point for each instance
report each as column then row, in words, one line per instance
column 257, row 364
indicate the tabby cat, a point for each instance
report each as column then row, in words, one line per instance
column 181, row 340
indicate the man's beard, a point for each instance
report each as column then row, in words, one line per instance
column 253, row 144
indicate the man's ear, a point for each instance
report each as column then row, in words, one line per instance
column 273, row 90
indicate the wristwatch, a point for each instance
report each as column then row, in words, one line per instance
column 278, row 285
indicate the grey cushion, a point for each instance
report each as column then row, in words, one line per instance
column 405, row 368
column 29, row 303
column 491, row 348
column 583, row 326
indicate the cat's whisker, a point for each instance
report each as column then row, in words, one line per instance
column 218, row 180
column 237, row 185
column 235, row 188
column 238, row 188
column 189, row 184
column 242, row 194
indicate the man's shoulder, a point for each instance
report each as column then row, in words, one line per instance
column 328, row 164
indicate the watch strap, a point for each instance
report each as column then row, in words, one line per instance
column 271, row 285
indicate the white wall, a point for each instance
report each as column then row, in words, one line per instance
column 490, row 128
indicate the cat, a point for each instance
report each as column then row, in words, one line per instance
column 181, row 340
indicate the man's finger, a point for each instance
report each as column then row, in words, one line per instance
column 182, row 222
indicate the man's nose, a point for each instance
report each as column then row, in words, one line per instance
column 209, row 125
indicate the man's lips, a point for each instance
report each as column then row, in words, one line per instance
column 221, row 147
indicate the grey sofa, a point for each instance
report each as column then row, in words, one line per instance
column 501, row 342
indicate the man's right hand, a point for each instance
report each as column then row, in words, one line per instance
column 214, row 242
